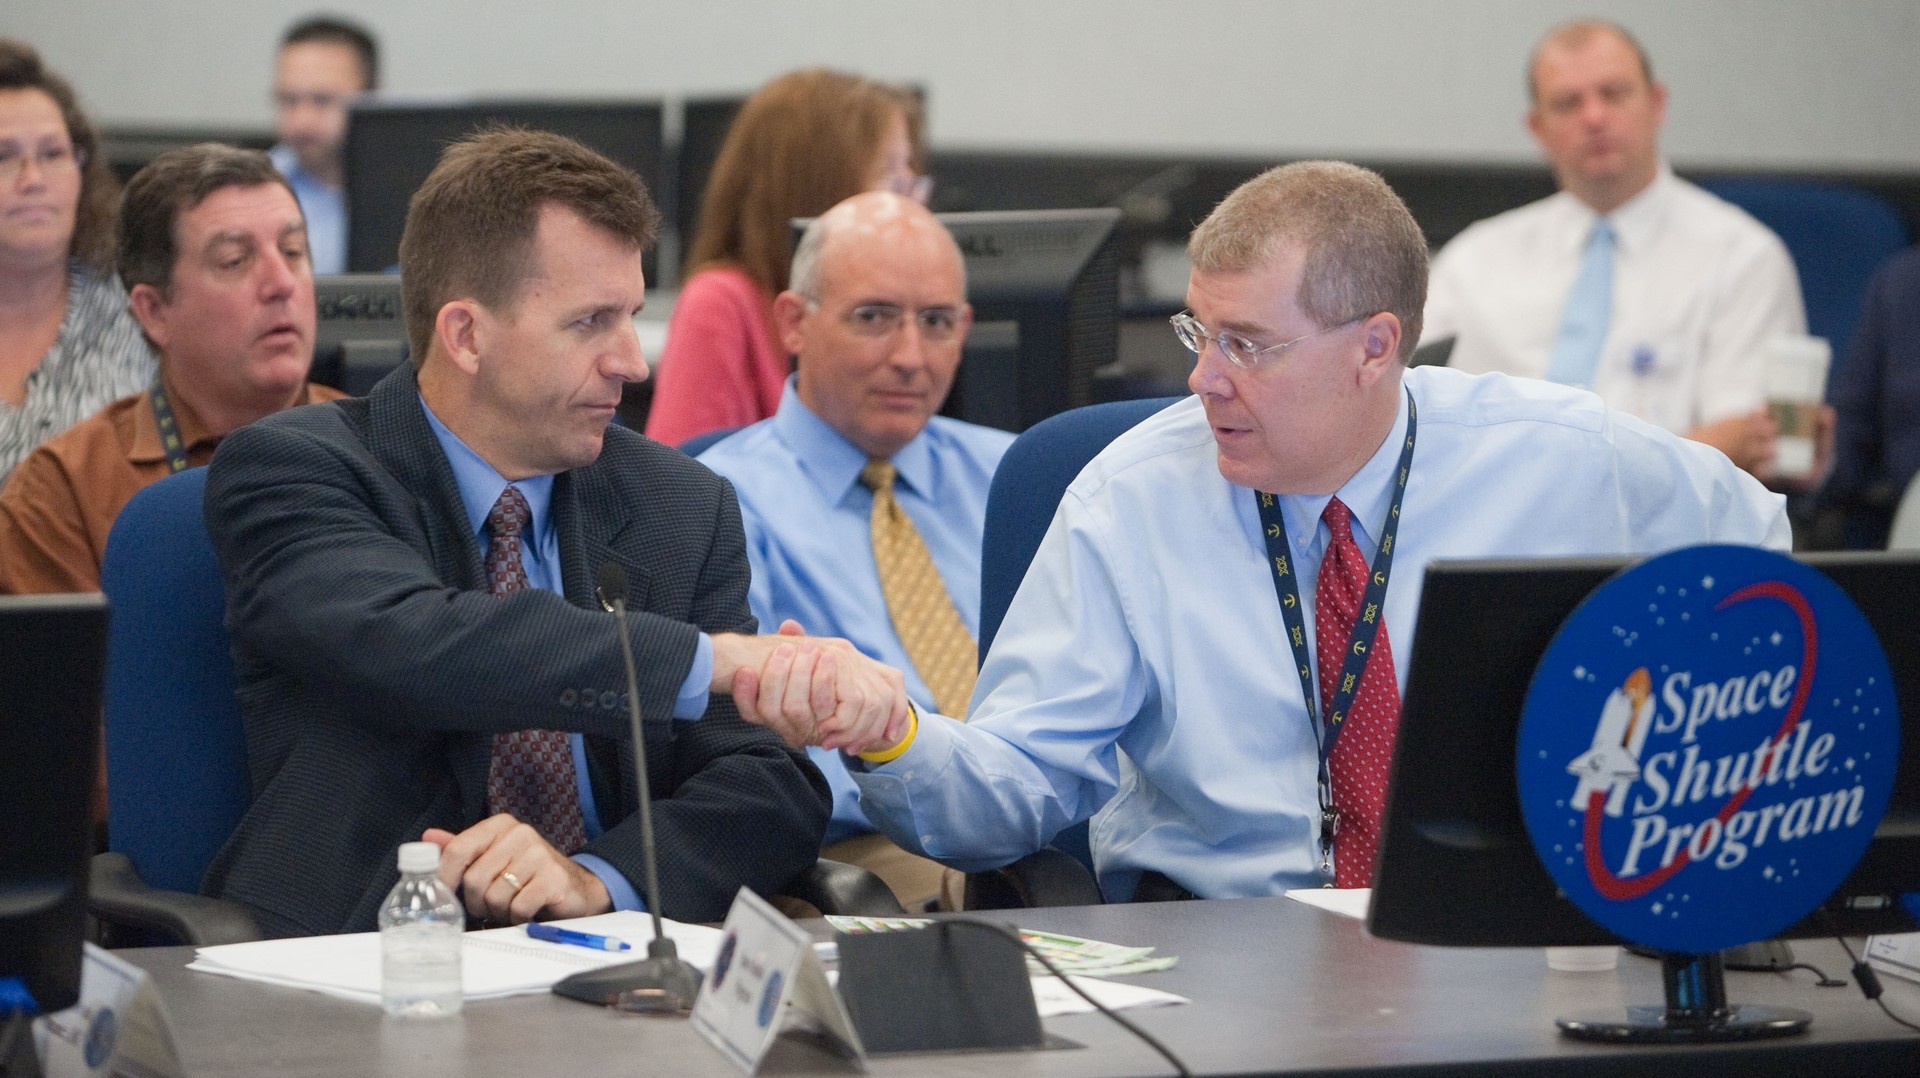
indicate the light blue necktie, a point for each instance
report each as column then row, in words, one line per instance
column 1583, row 328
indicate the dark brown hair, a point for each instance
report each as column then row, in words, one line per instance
column 470, row 226
column 92, row 243
column 329, row 30
column 801, row 143
column 168, row 186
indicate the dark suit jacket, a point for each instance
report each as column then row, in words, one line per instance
column 373, row 667
column 1875, row 392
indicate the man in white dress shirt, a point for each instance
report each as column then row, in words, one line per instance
column 1630, row 281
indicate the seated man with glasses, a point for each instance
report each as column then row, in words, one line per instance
column 863, row 510
column 1246, row 562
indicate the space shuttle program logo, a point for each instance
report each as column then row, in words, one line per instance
column 1707, row 747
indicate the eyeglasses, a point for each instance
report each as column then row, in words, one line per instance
column 936, row 324
column 53, row 160
column 908, row 184
column 1239, row 351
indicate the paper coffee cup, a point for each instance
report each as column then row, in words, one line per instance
column 1796, row 380
column 1582, row 959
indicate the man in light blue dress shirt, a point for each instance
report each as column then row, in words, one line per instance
column 322, row 66
column 876, row 317
column 1143, row 675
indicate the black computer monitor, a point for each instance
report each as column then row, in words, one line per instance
column 362, row 330
column 1045, row 290
column 1456, row 867
column 704, row 123
column 51, row 662
column 393, row 145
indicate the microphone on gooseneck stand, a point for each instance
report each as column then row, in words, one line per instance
column 662, row 981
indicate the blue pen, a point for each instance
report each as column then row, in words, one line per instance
column 578, row 939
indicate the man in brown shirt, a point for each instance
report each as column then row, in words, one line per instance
column 213, row 251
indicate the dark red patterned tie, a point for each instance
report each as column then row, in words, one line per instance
column 1365, row 745
column 532, row 774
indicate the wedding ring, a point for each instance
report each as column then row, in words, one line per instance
column 513, row 881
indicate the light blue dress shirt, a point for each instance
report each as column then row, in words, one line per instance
column 325, row 209
column 1143, row 664
column 480, row 486
column 811, row 548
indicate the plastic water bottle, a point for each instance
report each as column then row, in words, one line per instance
column 420, row 927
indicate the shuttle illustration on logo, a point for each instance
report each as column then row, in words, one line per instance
column 1612, row 764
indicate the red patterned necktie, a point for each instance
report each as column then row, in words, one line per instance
column 1358, row 763
column 532, row 774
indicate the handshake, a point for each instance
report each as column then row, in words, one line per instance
column 812, row 690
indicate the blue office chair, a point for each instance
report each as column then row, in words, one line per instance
column 1837, row 234
column 700, row 443
column 176, row 754
column 176, row 749
column 1026, row 490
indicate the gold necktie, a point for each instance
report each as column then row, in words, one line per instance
column 937, row 641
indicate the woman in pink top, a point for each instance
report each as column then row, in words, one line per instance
column 801, row 143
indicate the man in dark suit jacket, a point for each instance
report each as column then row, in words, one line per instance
column 376, row 671
column 1876, row 391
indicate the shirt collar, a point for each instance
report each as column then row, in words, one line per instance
column 480, row 485
column 1368, row 494
column 1638, row 219
column 288, row 164
column 1635, row 222
column 833, row 462
column 146, row 447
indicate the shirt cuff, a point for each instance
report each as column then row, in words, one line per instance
column 692, row 701
column 622, row 892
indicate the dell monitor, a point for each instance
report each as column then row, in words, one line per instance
column 50, row 674
column 393, row 145
column 361, row 332
column 1456, row 866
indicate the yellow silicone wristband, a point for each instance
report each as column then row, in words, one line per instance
column 881, row 756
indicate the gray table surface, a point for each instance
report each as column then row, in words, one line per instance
column 1277, row 987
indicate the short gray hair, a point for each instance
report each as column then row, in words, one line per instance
column 804, row 277
column 1364, row 251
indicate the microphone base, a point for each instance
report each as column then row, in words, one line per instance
column 661, row 983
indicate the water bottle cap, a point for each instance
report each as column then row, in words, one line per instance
column 419, row 857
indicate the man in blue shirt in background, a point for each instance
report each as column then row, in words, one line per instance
column 323, row 65
column 876, row 316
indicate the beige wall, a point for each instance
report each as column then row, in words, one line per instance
column 1781, row 82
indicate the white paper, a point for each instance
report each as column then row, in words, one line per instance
column 1053, row 999
column 1897, row 954
column 1345, row 901
column 493, row 963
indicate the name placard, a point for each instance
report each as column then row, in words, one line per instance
column 765, row 960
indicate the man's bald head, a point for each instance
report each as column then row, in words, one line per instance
column 859, row 220
column 875, row 315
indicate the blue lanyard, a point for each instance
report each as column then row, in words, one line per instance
column 1359, row 644
column 176, row 450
